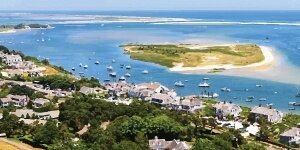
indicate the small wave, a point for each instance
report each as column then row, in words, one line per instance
column 226, row 23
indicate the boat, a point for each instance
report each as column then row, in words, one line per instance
column 234, row 97
column 85, row 66
column 106, row 80
column 145, row 72
column 186, row 80
column 80, row 65
column 292, row 103
column 292, row 108
column 81, row 73
column 179, row 84
column 214, row 95
column 97, row 62
column 113, row 74
column 204, row 85
column 43, row 40
column 127, row 75
column 296, row 104
column 109, row 68
column 225, row 89
column 262, row 99
column 250, row 97
column 122, row 78
column 259, row 85
column 249, row 100
column 246, row 90
column 128, row 67
column 37, row 40
column 113, row 61
column 73, row 69
column 205, row 79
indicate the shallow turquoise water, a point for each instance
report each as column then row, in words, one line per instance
column 70, row 45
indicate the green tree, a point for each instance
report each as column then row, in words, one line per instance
column 47, row 134
column 252, row 146
column 203, row 144
column 126, row 145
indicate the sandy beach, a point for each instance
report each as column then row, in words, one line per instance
column 8, row 31
column 275, row 67
column 268, row 59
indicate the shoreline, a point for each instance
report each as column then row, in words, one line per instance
column 268, row 59
column 8, row 31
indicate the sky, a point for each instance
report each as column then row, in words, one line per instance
column 150, row 5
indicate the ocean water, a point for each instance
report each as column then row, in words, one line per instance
column 67, row 45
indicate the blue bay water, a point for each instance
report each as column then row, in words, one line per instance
column 70, row 45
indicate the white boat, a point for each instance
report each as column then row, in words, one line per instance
column 225, row 89
column 73, row 69
column 113, row 74
column 122, row 78
column 292, row 103
column 113, row 61
column 145, row 72
column 37, row 40
column 186, row 80
column 109, row 68
column 97, row 62
column 262, row 99
column 80, row 65
column 43, row 40
column 22, row 42
column 179, row 84
column 259, row 85
column 128, row 67
column 49, row 39
column 214, row 95
column 127, row 75
column 204, row 84
column 85, row 66
column 205, row 79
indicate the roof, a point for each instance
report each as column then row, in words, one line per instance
column 163, row 144
column 52, row 114
column 31, row 121
column 150, row 86
column 24, row 112
column 291, row 132
column 41, row 100
column 83, row 130
column 164, row 97
column 191, row 101
column 5, row 100
column 17, row 97
column 225, row 106
column 265, row 111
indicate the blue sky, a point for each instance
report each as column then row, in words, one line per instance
column 150, row 5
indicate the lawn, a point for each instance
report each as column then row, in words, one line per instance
column 195, row 55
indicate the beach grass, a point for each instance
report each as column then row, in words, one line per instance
column 192, row 56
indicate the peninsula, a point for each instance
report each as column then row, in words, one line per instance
column 179, row 57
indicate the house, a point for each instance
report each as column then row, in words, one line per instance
column 48, row 115
column 88, row 90
column 272, row 115
column 12, row 72
column 291, row 136
column 152, row 86
column 21, row 113
column 162, row 144
column 40, row 102
column 162, row 99
column 5, row 102
column 224, row 109
column 188, row 103
column 15, row 100
column 32, row 121
column 12, row 60
column 19, row 100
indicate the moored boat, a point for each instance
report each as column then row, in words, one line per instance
column 127, row 75
column 85, row 66
column 128, row 67
column 179, row 84
column 97, row 62
column 204, row 85
column 225, row 89
column 262, row 99
column 73, row 68
column 113, row 74
column 109, row 68
column 145, row 72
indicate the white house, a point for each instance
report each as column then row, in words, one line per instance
column 291, row 136
column 272, row 115
column 12, row 60
column 162, row 144
column 40, row 102
column 224, row 109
